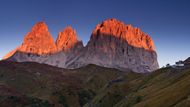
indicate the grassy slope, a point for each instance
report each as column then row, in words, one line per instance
column 71, row 88
column 163, row 88
column 39, row 85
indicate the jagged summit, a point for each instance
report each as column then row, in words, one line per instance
column 67, row 39
column 114, row 44
column 38, row 40
column 40, row 27
column 133, row 35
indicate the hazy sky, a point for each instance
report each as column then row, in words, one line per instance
column 166, row 21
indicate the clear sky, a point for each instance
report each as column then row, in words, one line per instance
column 166, row 21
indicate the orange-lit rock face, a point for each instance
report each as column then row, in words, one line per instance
column 134, row 36
column 38, row 41
column 10, row 54
column 67, row 39
column 113, row 44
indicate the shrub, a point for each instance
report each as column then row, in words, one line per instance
column 85, row 96
column 138, row 99
column 63, row 101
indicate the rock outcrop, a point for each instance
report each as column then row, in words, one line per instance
column 187, row 62
column 112, row 44
column 38, row 46
column 117, row 29
column 67, row 40
column 39, row 41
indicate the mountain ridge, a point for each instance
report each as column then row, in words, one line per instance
column 112, row 44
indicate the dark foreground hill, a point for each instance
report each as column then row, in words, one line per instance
column 39, row 85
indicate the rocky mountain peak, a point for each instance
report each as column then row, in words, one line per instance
column 38, row 41
column 40, row 26
column 66, row 39
column 117, row 29
column 117, row 45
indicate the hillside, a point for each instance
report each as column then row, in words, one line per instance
column 30, row 84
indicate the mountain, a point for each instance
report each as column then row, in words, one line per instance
column 38, row 41
column 38, row 46
column 117, row 45
column 68, row 43
column 112, row 44
column 67, row 40
column 30, row 84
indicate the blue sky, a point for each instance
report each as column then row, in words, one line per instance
column 166, row 21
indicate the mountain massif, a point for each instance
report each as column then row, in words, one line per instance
column 112, row 44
